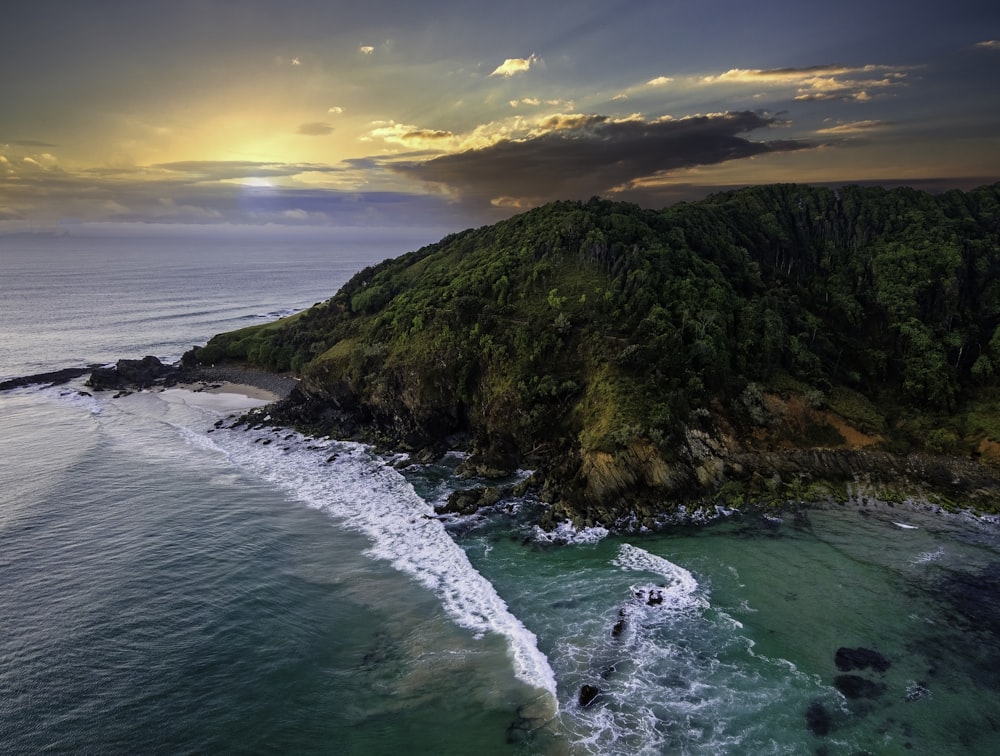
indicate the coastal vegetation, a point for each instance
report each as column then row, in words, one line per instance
column 771, row 344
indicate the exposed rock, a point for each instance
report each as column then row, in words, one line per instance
column 140, row 374
column 587, row 694
column 469, row 500
column 54, row 378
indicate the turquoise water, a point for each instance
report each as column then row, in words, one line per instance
column 172, row 588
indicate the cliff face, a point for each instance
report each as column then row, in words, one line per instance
column 640, row 358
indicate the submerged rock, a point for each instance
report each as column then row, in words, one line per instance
column 818, row 719
column 855, row 686
column 847, row 659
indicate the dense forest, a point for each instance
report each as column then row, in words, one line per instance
column 637, row 357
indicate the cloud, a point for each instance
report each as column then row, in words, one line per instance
column 316, row 128
column 660, row 81
column 577, row 156
column 211, row 192
column 817, row 83
column 513, row 66
column 335, row 109
column 855, row 127
column 427, row 134
column 563, row 121
column 25, row 143
column 411, row 137
column 989, row 44
column 229, row 170
column 43, row 162
column 366, row 49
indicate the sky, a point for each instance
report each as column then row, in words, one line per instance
column 380, row 113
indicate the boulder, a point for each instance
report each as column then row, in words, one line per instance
column 467, row 501
column 587, row 694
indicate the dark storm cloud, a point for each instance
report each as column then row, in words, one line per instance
column 593, row 154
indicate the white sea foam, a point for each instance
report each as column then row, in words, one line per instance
column 673, row 677
column 927, row 557
column 680, row 589
column 904, row 526
column 566, row 532
column 77, row 397
column 365, row 494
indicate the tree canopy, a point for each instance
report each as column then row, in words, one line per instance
column 598, row 324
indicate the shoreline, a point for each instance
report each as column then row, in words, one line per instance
column 255, row 384
column 228, row 387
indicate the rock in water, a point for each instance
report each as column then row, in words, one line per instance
column 915, row 691
column 131, row 373
column 587, row 694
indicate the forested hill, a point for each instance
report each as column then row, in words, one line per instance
column 637, row 357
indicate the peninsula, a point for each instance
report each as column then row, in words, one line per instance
column 773, row 344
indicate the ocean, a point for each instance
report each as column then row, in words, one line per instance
column 171, row 587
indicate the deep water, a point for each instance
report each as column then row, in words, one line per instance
column 172, row 588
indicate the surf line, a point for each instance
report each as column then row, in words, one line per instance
column 352, row 485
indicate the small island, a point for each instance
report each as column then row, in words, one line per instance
column 766, row 346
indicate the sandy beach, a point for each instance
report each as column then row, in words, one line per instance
column 255, row 384
column 228, row 387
